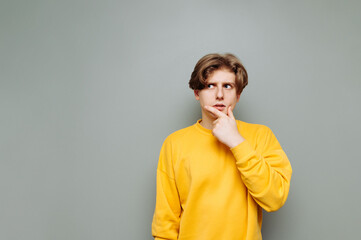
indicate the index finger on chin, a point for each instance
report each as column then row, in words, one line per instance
column 214, row 111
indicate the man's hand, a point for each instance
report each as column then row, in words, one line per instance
column 225, row 127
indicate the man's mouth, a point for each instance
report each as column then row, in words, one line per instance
column 220, row 107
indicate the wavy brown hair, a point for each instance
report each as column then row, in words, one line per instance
column 214, row 61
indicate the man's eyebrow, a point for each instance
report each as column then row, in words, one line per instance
column 230, row 83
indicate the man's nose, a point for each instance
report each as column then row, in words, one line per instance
column 220, row 93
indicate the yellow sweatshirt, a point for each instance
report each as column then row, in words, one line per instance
column 207, row 191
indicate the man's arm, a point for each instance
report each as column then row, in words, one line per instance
column 167, row 209
column 265, row 172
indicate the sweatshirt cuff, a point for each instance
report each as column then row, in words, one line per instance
column 242, row 151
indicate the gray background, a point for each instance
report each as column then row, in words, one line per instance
column 90, row 89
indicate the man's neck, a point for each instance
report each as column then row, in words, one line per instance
column 206, row 123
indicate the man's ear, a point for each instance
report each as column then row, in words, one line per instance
column 196, row 94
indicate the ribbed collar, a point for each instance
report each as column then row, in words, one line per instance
column 202, row 129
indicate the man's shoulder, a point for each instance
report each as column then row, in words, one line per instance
column 180, row 134
column 252, row 127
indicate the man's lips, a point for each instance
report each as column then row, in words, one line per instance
column 220, row 107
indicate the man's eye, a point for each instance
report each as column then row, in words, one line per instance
column 210, row 85
column 228, row 86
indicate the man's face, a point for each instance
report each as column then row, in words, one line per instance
column 220, row 93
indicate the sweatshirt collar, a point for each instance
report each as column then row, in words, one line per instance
column 202, row 129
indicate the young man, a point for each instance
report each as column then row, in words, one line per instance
column 214, row 177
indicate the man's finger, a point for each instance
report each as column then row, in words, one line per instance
column 215, row 111
column 230, row 112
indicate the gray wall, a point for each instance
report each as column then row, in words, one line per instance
column 90, row 89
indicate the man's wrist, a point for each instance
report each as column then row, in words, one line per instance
column 237, row 140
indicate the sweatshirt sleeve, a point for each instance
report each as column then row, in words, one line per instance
column 265, row 170
column 167, row 212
